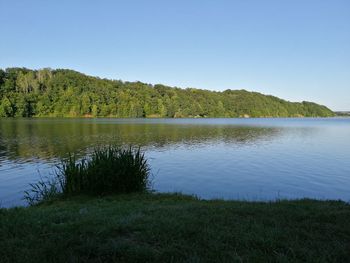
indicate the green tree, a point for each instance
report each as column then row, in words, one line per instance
column 94, row 110
column 6, row 108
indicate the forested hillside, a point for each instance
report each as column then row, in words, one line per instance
column 67, row 93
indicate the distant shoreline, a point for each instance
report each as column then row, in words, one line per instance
column 169, row 118
column 342, row 113
column 68, row 93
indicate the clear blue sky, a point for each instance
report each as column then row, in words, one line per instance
column 294, row 49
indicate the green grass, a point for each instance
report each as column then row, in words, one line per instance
column 175, row 228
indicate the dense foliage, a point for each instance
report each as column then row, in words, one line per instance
column 67, row 93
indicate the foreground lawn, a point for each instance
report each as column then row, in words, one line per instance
column 175, row 228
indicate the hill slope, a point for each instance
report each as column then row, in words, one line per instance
column 67, row 93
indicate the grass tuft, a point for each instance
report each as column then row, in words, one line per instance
column 108, row 170
column 44, row 190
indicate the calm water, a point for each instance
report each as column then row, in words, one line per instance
column 254, row 159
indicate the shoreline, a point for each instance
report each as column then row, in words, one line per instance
column 177, row 118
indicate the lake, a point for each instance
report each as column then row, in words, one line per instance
column 246, row 159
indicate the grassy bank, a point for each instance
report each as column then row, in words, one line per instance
column 175, row 228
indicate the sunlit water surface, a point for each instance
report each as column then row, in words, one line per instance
column 250, row 159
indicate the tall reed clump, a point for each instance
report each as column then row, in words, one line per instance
column 108, row 170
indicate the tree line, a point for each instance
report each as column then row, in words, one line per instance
column 67, row 93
